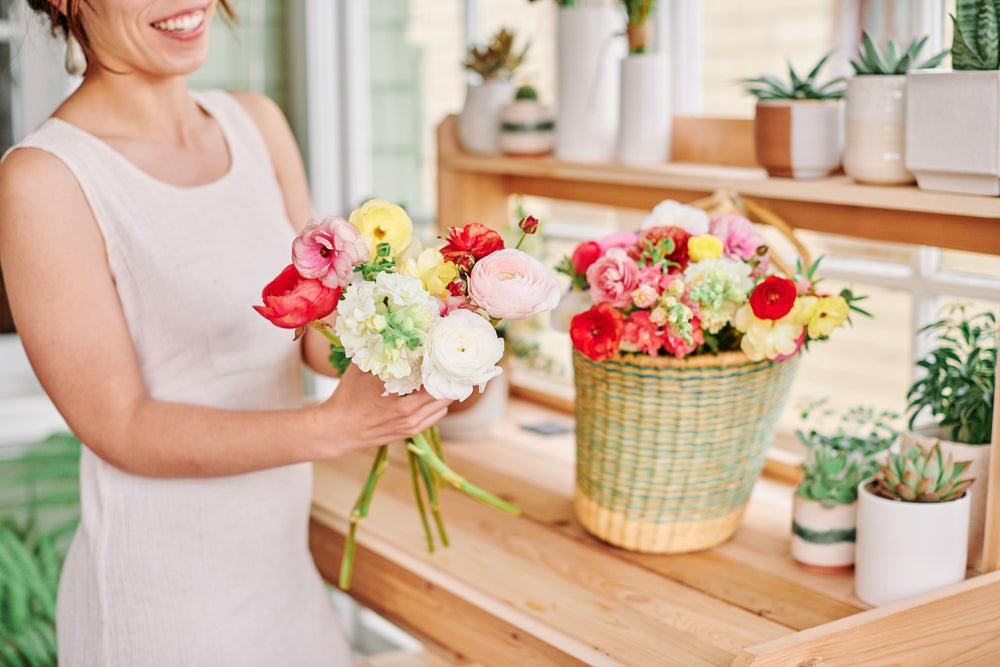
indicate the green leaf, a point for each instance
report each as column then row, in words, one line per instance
column 933, row 61
column 986, row 33
column 877, row 63
column 963, row 56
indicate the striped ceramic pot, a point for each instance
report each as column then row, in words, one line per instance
column 823, row 537
column 526, row 128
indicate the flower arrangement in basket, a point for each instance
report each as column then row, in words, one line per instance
column 683, row 355
column 414, row 318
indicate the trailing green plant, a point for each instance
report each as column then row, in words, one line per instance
column 638, row 12
column 526, row 93
column 957, row 387
column 767, row 87
column 861, row 429
column 891, row 60
column 561, row 3
column 975, row 43
column 921, row 475
column 496, row 60
column 831, row 476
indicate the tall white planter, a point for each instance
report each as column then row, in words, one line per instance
column 905, row 549
column 590, row 46
column 644, row 135
column 876, row 129
column 479, row 121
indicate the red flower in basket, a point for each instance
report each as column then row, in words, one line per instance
column 773, row 298
column 466, row 244
column 585, row 254
column 597, row 332
column 654, row 235
column 291, row 301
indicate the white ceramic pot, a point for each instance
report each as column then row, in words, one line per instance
column 823, row 537
column 526, row 128
column 979, row 455
column 479, row 121
column 953, row 130
column 590, row 46
column 644, row 134
column 800, row 139
column 905, row 549
column 875, row 112
column 477, row 421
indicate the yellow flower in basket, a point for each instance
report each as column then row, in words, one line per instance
column 382, row 222
column 828, row 314
column 703, row 247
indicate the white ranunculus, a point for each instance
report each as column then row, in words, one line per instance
column 670, row 213
column 461, row 352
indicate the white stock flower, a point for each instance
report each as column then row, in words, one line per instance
column 719, row 287
column 670, row 213
column 462, row 351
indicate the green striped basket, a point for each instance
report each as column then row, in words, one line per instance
column 669, row 449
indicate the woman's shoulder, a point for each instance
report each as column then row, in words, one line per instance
column 31, row 175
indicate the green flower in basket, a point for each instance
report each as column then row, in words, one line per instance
column 684, row 350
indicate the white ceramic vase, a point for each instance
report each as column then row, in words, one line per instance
column 644, row 133
column 526, row 128
column 479, row 121
column 800, row 139
column 590, row 46
column 953, row 130
column 905, row 549
column 979, row 455
column 875, row 145
column 823, row 537
column 477, row 421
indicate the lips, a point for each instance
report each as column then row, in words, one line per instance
column 185, row 23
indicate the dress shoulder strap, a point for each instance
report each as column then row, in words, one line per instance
column 239, row 126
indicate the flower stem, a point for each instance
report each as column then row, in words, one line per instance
column 520, row 241
column 431, row 484
column 418, row 445
column 327, row 334
column 359, row 512
column 411, row 459
column 435, row 439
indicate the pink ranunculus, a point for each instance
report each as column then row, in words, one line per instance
column 740, row 239
column 624, row 240
column 329, row 251
column 453, row 302
column 656, row 278
column 643, row 333
column 512, row 284
column 612, row 278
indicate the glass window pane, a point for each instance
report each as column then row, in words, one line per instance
column 971, row 263
column 6, row 9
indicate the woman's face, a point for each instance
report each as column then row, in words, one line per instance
column 153, row 37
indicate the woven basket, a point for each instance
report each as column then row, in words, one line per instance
column 668, row 450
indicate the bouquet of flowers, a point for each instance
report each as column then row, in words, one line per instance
column 415, row 317
column 689, row 283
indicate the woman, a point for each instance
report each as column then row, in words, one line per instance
column 137, row 226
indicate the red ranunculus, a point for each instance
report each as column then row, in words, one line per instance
column 585, row 254
column 291, row 301
column 773, row 298
column 597, row 332
column 470, row 243
column 679, row 236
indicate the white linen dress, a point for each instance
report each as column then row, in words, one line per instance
column 216, row 571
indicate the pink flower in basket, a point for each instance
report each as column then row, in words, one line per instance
column 329, row 251
column 641, row 332
column 613, row 278
column 739, row 238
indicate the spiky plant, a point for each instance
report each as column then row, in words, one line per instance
column 891, row 60
column 921, row 475
column 496, row 60
column 975, row 42
column 831, row 476
column 638, row 12
column 798, row 87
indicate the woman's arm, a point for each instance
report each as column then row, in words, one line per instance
column 71, row 324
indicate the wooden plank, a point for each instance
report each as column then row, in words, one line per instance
column 718, row 141
column 956, row 625
column 991, row 539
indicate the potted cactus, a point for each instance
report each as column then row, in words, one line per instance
column 913, row 522
column 798, row 126
column 952, row 402
column 876, row 112
column 526, row 125
column 953, row 117
column 495, row 63
column 644, row 135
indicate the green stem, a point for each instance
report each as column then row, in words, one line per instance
column 435, row 438
column 359, row 512
column 431, row 483
column 411, row 459
column 418, row 445
column 327, row 334
column 520, row 241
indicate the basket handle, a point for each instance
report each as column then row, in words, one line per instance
column 726, row 201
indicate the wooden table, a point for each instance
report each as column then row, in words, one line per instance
column 538, row 590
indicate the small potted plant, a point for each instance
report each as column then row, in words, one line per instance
column 953, row 117
column 526, row 125
column 644, row 134
column 495, row 63
column 876, row 111
column 956, row 392
column 913, row 523
column 798, row 125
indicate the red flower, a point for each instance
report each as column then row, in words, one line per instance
column 597, row 332
column 654, row 235
column 529, row 225
column 773, row 298
column 467, row 244
column 585, row 254
column 643, row 333
column 291, row 301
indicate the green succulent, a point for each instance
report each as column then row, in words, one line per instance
column 496, row 60
column 975, row 39
column 831, row 476
column 921, row 475
column 526, row 93
column 891, row 60
column 797, row 88
column 862, row 430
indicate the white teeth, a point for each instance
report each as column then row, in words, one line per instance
column 185, row 23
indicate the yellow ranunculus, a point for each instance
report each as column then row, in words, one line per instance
column 705, row 246
column 382, row 222
column 828, row 314
column 432, row 270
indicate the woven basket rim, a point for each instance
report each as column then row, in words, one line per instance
column 721, row 360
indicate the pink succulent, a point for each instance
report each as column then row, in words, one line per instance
column 613, row 278
column 329, row 251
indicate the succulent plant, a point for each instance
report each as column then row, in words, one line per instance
column 975, row 36
column 921, row 475
column 527, row 93
column 798, row 87
column 891, row 60
column 862, row 429
column 831, row 476
column 638, row 12
column 497, row 60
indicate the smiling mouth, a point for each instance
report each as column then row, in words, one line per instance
column 181, row 24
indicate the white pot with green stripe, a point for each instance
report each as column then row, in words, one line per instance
column 823, row 534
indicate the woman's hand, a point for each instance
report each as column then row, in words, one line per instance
column 359, row 416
